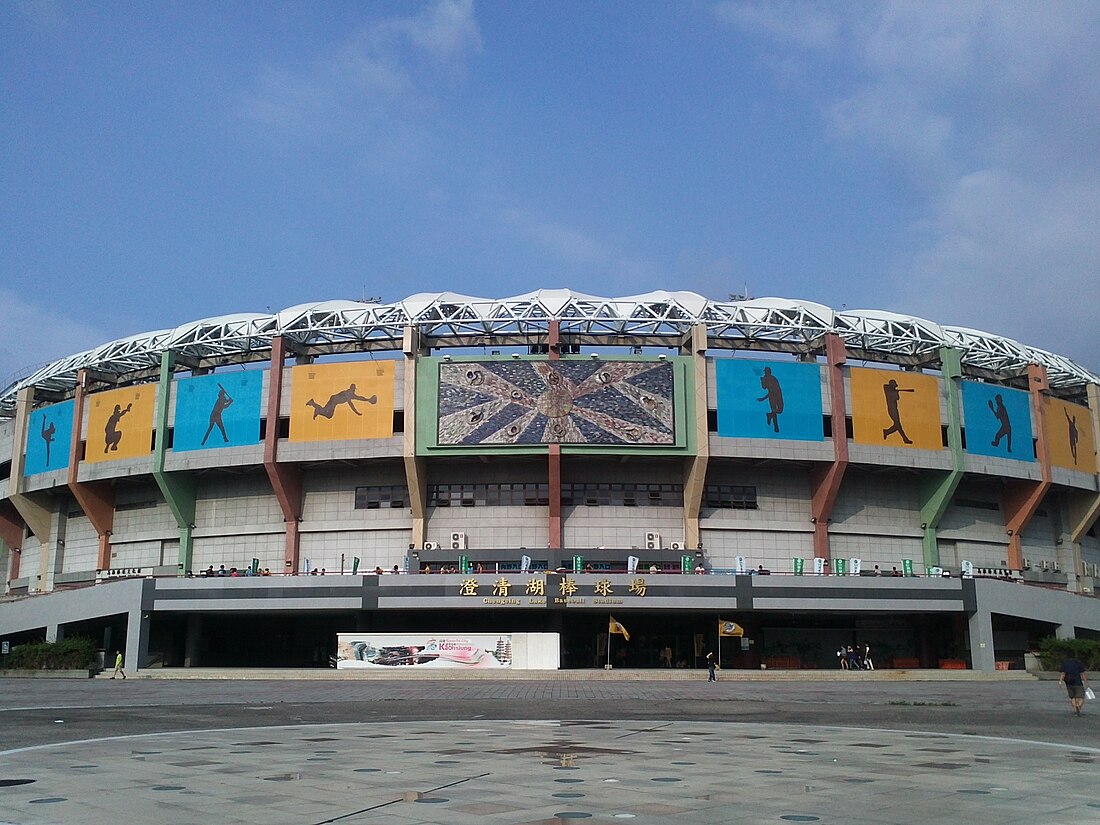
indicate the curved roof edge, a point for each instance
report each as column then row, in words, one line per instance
column 658, row 318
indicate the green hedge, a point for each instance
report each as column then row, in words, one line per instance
column 1053, row 651
column 68, row 654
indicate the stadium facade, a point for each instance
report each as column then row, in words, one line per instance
column 564, row 457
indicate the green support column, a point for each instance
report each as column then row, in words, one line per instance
column 937, row 490
column 177, row 488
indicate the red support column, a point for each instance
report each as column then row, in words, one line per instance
column 11, row 531
column 96, row 498
column 286, row 480
column 1022, row 498
column 825, row 481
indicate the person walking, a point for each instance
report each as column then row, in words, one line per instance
column 1075, row 679
column 118, row 665
column 712, row 667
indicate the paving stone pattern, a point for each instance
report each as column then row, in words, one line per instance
column 550, row 771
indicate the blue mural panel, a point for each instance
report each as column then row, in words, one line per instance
column 49, row 438
column 998, row 421
column 769, row 399
column 215, row 411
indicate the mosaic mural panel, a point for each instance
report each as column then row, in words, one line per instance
column 559, row 402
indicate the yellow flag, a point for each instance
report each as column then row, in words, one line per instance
column 730, row 629
column 615, row 627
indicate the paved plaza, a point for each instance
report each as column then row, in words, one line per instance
column 287, row 751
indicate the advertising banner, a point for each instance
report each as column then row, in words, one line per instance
column 339, row 402
column 998, row 421
column 1069, row 432
column 217, row 411
column 525, row 402
column 380, row 650
column 49, row 438
column 120, row 424
column 769, row 399
column 895, row 409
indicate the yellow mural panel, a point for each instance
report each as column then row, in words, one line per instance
column 895, row 409
column 120, row 424
column 1069, row 434
column 337, row 402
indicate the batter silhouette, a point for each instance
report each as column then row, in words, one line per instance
column 343, row 397
column 221, row 403
column 1072, row 434
column 773, row 394
column 112, row 435
column 893, row 393
column 47, row 436
column 1001, row 414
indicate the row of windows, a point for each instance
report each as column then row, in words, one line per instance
column 381, row 496
column 729, row 497
column 592, row 494
column 530, row 494
column 535, row 494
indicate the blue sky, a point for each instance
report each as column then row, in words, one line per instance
column 165, row 162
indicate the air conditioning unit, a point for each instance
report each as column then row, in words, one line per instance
column 676, row 545
column 652, row 541
column 1027, row 564
column 1056, row 567
column 431, row 545
column 458, row 541
column 1043, row 564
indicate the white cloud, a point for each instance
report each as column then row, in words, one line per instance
column 575, row 247
column 1013, row 257
column 35, row 335
column 804, row 24
column 991, row 112
column 376, row 81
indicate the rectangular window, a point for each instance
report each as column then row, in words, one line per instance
column 592, row 494
column 381, row 496
column 730, row 497
column 530, row 494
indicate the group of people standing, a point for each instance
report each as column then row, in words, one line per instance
column 856, row 657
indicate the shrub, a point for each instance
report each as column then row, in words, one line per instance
column 1053, row 651
column 68, row 654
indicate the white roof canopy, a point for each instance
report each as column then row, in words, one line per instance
column 447, row 319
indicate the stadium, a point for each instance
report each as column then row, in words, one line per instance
column 569, row 481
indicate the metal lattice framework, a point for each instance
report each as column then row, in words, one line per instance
column 445, row 319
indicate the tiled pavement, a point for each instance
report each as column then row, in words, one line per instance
column 460, row 772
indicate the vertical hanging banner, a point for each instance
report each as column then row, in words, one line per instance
column 120, row 424
column 895, row 409
column 49, row 437
column 339, row 402
column 998, row 421
column 769, row 399
column 215, row 411
column 1069, row 433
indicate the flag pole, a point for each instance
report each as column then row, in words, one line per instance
column 719, row 642
column 609, row 635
